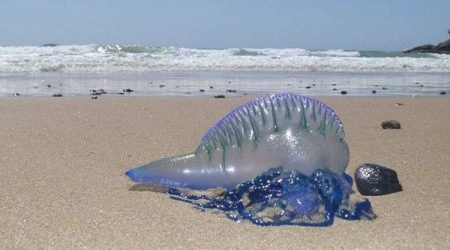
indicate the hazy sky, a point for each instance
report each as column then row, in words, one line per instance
column 315, row 24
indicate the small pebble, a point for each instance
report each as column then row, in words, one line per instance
column 374, row 91
column 443, row 93
column 307, row 87
column 202, row 90
column 343, row 92
column 373, row 179
column 211, row 87
column 392, row 124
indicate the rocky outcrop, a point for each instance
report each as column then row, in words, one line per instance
column 441, row 48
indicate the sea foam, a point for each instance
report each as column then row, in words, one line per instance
column 119, row 58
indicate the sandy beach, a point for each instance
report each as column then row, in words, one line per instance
column 62, row 182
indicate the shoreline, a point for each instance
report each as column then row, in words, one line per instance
column 225, row 83
column 63, row 161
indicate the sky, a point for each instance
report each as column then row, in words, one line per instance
column 345, row 24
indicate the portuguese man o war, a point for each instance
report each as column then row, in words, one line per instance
column 280, row 160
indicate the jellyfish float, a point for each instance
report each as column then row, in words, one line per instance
column 279, row 160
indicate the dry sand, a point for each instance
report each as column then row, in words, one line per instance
column 63, row 159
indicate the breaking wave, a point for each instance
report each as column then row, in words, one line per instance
column 118, row 58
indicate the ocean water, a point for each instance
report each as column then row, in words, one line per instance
column 148, row 71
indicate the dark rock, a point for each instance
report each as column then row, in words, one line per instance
column 127, row 90
column 50, row 45
column 441, row 48
column 211, row 87
column 219, row 96
column 442, row 93
column 202, row 90
column 231, row 90
column 373, row 179
column 307, row 87
column 421, row 49
column 57, row 95
column 374, row 91
column 444, row 46
column 392, row 124
column 343, row 92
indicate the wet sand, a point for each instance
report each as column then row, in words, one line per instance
column 63, row 159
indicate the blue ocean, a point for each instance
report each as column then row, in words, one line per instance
column 77, row 70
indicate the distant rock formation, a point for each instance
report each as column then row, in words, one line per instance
column 50, row 45
column 441, row 48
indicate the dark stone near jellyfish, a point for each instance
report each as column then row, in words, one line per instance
column 373, row 179
column 278, row 197
column 392, row 124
